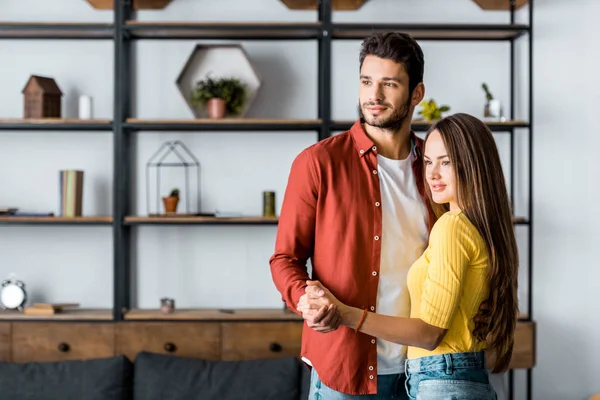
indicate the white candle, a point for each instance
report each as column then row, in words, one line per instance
column 85, row 107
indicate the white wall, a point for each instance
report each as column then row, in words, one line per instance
column 223, row 266
column 566, row 196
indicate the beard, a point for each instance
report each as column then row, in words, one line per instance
column 392, row 122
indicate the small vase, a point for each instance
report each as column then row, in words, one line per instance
column 216, row 108
column 170, row 204
column 493, row 109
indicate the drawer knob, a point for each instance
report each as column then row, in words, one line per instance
column 63, row 347
column 275, row 347
column 170, row 347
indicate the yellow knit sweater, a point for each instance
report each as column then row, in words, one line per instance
column 448, row 283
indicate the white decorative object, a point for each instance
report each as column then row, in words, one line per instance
column 85, row 107
column 218, row 61
column 13, row 294
column 495, row 108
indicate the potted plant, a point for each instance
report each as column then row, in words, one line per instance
column 220, row 96
column 170, row 202
column 431, row 111
column 492, row 107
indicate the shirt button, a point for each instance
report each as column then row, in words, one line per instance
column 374, row 147
column 376, row 237
column 370, row 368
column 375, row 171
column 371, row 377
column 373, row 341
column 374, row 273
column 377, row 204
column 372, row 308
column 362, row 151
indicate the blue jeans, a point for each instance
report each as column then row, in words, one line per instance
column 388, row 387
column 449, row 377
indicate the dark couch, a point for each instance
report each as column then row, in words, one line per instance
column 155, row 377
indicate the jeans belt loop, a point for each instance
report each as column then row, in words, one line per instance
column 449, row 366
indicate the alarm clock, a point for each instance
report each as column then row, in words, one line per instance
column 12, row 294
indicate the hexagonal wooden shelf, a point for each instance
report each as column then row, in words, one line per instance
column 337, row 5
column 499, row 4
column 137, row 4
column 218, row 61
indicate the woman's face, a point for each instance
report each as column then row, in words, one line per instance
column 439, row 171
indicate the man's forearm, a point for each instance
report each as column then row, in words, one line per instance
column 290, row 280
column 404, row 331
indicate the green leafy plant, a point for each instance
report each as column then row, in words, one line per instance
column 232, row 90
column 488, row 94
column 174, row 193
column 431, row 111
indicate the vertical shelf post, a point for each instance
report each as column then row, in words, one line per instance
column 324, row 62
column 121, row 159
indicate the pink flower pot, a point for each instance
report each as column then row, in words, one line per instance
column 216, row 108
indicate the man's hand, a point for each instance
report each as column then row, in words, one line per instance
column 319, row 308
column 482, row 321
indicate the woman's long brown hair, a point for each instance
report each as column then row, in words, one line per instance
column 482, row 196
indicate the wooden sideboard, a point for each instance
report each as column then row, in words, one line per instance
column 208, row 335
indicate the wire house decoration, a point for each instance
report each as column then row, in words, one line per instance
column 184, row 159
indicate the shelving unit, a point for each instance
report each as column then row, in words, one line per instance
column 125, row 29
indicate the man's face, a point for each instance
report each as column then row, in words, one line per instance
column 384, row 96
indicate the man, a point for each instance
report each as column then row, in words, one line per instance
column 355, row 206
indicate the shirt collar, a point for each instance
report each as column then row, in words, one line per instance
column 364, row 144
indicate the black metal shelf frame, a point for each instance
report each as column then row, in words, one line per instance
column 123, row 31
column 324, row 32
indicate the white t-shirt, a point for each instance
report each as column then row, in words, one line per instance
column 403, row 240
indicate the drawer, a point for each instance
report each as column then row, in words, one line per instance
column 61, row 341
column 243, row 341
column 186, row 339
column 4, row 341
column 524, row 350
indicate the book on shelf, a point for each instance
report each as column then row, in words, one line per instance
column 71, row 193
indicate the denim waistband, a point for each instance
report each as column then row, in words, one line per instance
column 446, row 362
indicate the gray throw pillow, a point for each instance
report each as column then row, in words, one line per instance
column 94, row 379
column 165, row 377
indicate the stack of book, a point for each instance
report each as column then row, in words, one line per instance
column 48, row 308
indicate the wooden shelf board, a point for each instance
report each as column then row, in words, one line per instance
column 53, row 121
column 421, row 125
column 56, row 220
column 433, row 31
column 505, row 123
column 223, row 30
column 225, row 124
column 201, row 220
column 56, row 30
column 103, row 314
column 240, row 121
column 213, row 314
column 54, row 124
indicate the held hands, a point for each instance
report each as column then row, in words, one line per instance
column 321, row 310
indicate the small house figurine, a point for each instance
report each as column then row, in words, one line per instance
column 42, row 98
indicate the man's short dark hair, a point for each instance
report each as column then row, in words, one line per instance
column 399, row 47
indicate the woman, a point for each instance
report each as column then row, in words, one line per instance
column 471, row 257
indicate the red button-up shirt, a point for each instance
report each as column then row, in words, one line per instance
column 331, row 214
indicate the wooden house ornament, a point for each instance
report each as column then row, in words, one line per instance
column 42, row 98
